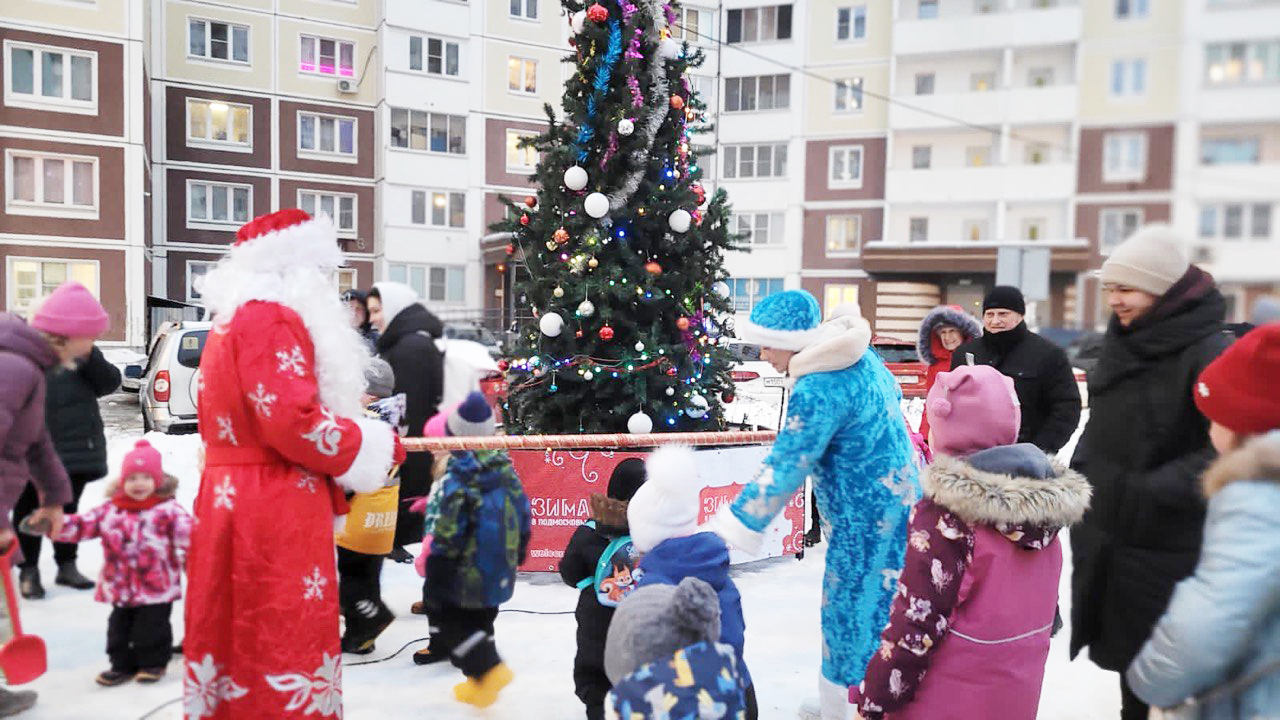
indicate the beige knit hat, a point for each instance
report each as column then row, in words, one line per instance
column 1151, row 260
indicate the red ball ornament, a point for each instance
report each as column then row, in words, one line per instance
column 683, row 323
column 606, row 333
column 653, row 268
column 697, row 217
column 578, row 334
column 524, row 220
column 561, row 236
column 671, row 372
column 511, row 249
column 677, row 102
column 503, row 365
column 727, row 396
column 597, row 13
column 530, row 201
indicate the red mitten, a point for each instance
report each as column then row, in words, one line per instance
column 398, row 453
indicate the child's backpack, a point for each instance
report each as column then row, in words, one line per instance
column 616, row 571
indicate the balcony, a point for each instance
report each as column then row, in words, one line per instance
column 1238, row 182
column 1013, row 183
column 1067, row 255
column 1024, row 105
column 1019, row 28
column 1239, row 103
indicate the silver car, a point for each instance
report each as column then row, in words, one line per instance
column 170, row 382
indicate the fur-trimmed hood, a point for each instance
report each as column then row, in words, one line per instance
column 928, row 345
column 841, row 343
column 1015, row 488
column 610, row 514
column 1259, row 459
column 166, row 491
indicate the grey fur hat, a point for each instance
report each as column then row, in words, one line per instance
column 379, row 378
column 656, row 620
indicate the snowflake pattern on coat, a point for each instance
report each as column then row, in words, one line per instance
column 205, row 688
column 320, row 693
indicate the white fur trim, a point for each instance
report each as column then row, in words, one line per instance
column 771, row 338
column 841, row 343
column 727, row 525
column 982, row 497
column 368, row 472
column 313, row 243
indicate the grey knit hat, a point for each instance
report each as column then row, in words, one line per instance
column 656, row 620
column 379, row 378
column 1151, row 260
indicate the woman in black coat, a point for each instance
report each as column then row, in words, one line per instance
column 1143, row 450
column 74, row 421
column 408, row 344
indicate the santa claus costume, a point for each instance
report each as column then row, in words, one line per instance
column 280, row 387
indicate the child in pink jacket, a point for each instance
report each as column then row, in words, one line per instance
column 969, row 627
column 145, row 535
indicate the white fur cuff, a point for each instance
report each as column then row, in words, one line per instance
column 727, row 525
column 794, row 340
column 368, row 471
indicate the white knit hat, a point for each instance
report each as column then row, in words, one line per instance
column 666, row 505
column 1151, row 260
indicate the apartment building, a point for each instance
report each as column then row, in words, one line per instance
column 72, row 121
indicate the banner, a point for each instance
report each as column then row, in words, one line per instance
column 559, row 484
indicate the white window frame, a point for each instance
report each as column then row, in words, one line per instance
column 40, row 208
column 1103, row 246
column 521, row 168
column 225, row 145
column 850, row 152
column 425, row 41
column 429, row 203
column 341, row 273
column 932, row 77
column 335, row 155
column 849, row 90
column 760, row 37
column 427, row 284
column 337, row 196
column 1134, row 10
column 193, row 296
column 758, row 289
column 1248, row 213
column 911, row 223
column 208, row 41
column 701, row 35
column 317, row 70
column 524, row 14
column 853, row 12
column 922, row 4
column 857, row 239
column 737, row 148
column 1216, row 73
column 409, row 115
column 11, row 285
column 1239, row 139
column 36, row 99
column 1112, row 174
column 522, row 87
column 1134, row 78
column 774, row 226
column 755, row 81
column 209, row 223
column 928, row 157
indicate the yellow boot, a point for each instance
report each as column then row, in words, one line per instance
column 484, row 692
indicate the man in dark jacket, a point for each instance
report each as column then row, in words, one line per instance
column 408, row 344
column 1143, row 449
column 1040, row 370
column 75, row 422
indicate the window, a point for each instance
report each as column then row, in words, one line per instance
column 750, row 161
column 762, row 24
column 326, row 134
column 760, row 228
column 527, row 9
column 927, row 10
column 849, row 95
column 1236, row 221
column 977, row 156
column 924, row 83
column 919, row 230
column 340, row 207
column 1033, row 229
column 746, row 292
column 326, row 56
column 441, row 56
column 845, row 166
column 975, row 230
column 344, row 279
column 844, row 234
column 921, row 157
column 1128, row 78
column 1124, row 157
column 1040, row 76
column 765, row 92
column 439, row 208
column 218, row 40
column 40, row 184
column 836, row 295
column 418, row 130
column 1132, row 9
column 982, row 81
column 213, row 122
column 520, row 158
column 851, row 23
column 1243, row 62
column 692, row 25
column 705, row 88
column 31, row 280
column 522, row 75
column 435, row 283
column 1116, row 224
column 196, row 270
column 211, row 203
column 1037, row 153
column 1230, row 151
column 46, row 77
column 985, row 7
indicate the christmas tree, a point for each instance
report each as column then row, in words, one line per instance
column 623, row 248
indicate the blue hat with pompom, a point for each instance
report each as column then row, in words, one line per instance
column 787, row 321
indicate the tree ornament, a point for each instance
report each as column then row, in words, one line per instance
column 626, row 126
column 606, row 333
column 597, row 13
column 697, row 407
column 503, row 365
column 640, row 346
column 683, row 323
column 558, row 292
column 640, row 424
column 679, row 220
column 551, row 244
column 575, row 178
column 701, row 192
column 578, row 22
column 593, row 263
column 578, row 334
column 586, row 309
column 596, row 205
column 551, row 324
column 668, row 49
column 671, row 392
column 530, row 200
column 653, row 267
column 727, row 396
column 677, row 102
column 721, row 288
column 511, row 249
column 524, row 220
column 561, row 236
column 588, row 375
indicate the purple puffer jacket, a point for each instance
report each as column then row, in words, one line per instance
column 26, row 449
column 969, row 629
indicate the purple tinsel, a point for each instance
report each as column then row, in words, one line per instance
column 671, row 14
column 633, row 50
column 610, row 150
column 628, row 9
column 636, row 98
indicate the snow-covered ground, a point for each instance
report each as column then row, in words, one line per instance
column 780, row 600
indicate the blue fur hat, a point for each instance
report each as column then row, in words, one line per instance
column 787, row 321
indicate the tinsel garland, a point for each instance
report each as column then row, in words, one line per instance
column 601, row 87
column 659, row 107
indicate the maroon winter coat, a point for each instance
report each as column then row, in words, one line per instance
column 26, row 449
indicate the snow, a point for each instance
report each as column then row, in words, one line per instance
column 780, row 601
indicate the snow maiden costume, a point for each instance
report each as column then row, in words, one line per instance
column 844, row 428
column 281, row 380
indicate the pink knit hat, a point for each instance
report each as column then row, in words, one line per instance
column 71, row 311
column 437, row 425
column 972, row 408
column 145, row 459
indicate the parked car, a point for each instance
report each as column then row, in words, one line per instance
column 169, row 386
column 475, row 333
column 901, row 359
column 759, row 390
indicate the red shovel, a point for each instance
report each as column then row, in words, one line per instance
column 22, row 657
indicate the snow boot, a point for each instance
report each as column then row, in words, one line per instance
column 29, row 583
column 484, row 691
column 70, row 576
column 112, row 678
column 369, row 618
column 150, row 676
column 595, row 711
column 12, row 703
column 400, row 555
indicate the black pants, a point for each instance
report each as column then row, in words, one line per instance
column 466, row 636
column 359, row 578
column 139, row 638
column 1131, row 708
column 415, row 482
column 753, row 709
column 27, row 503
